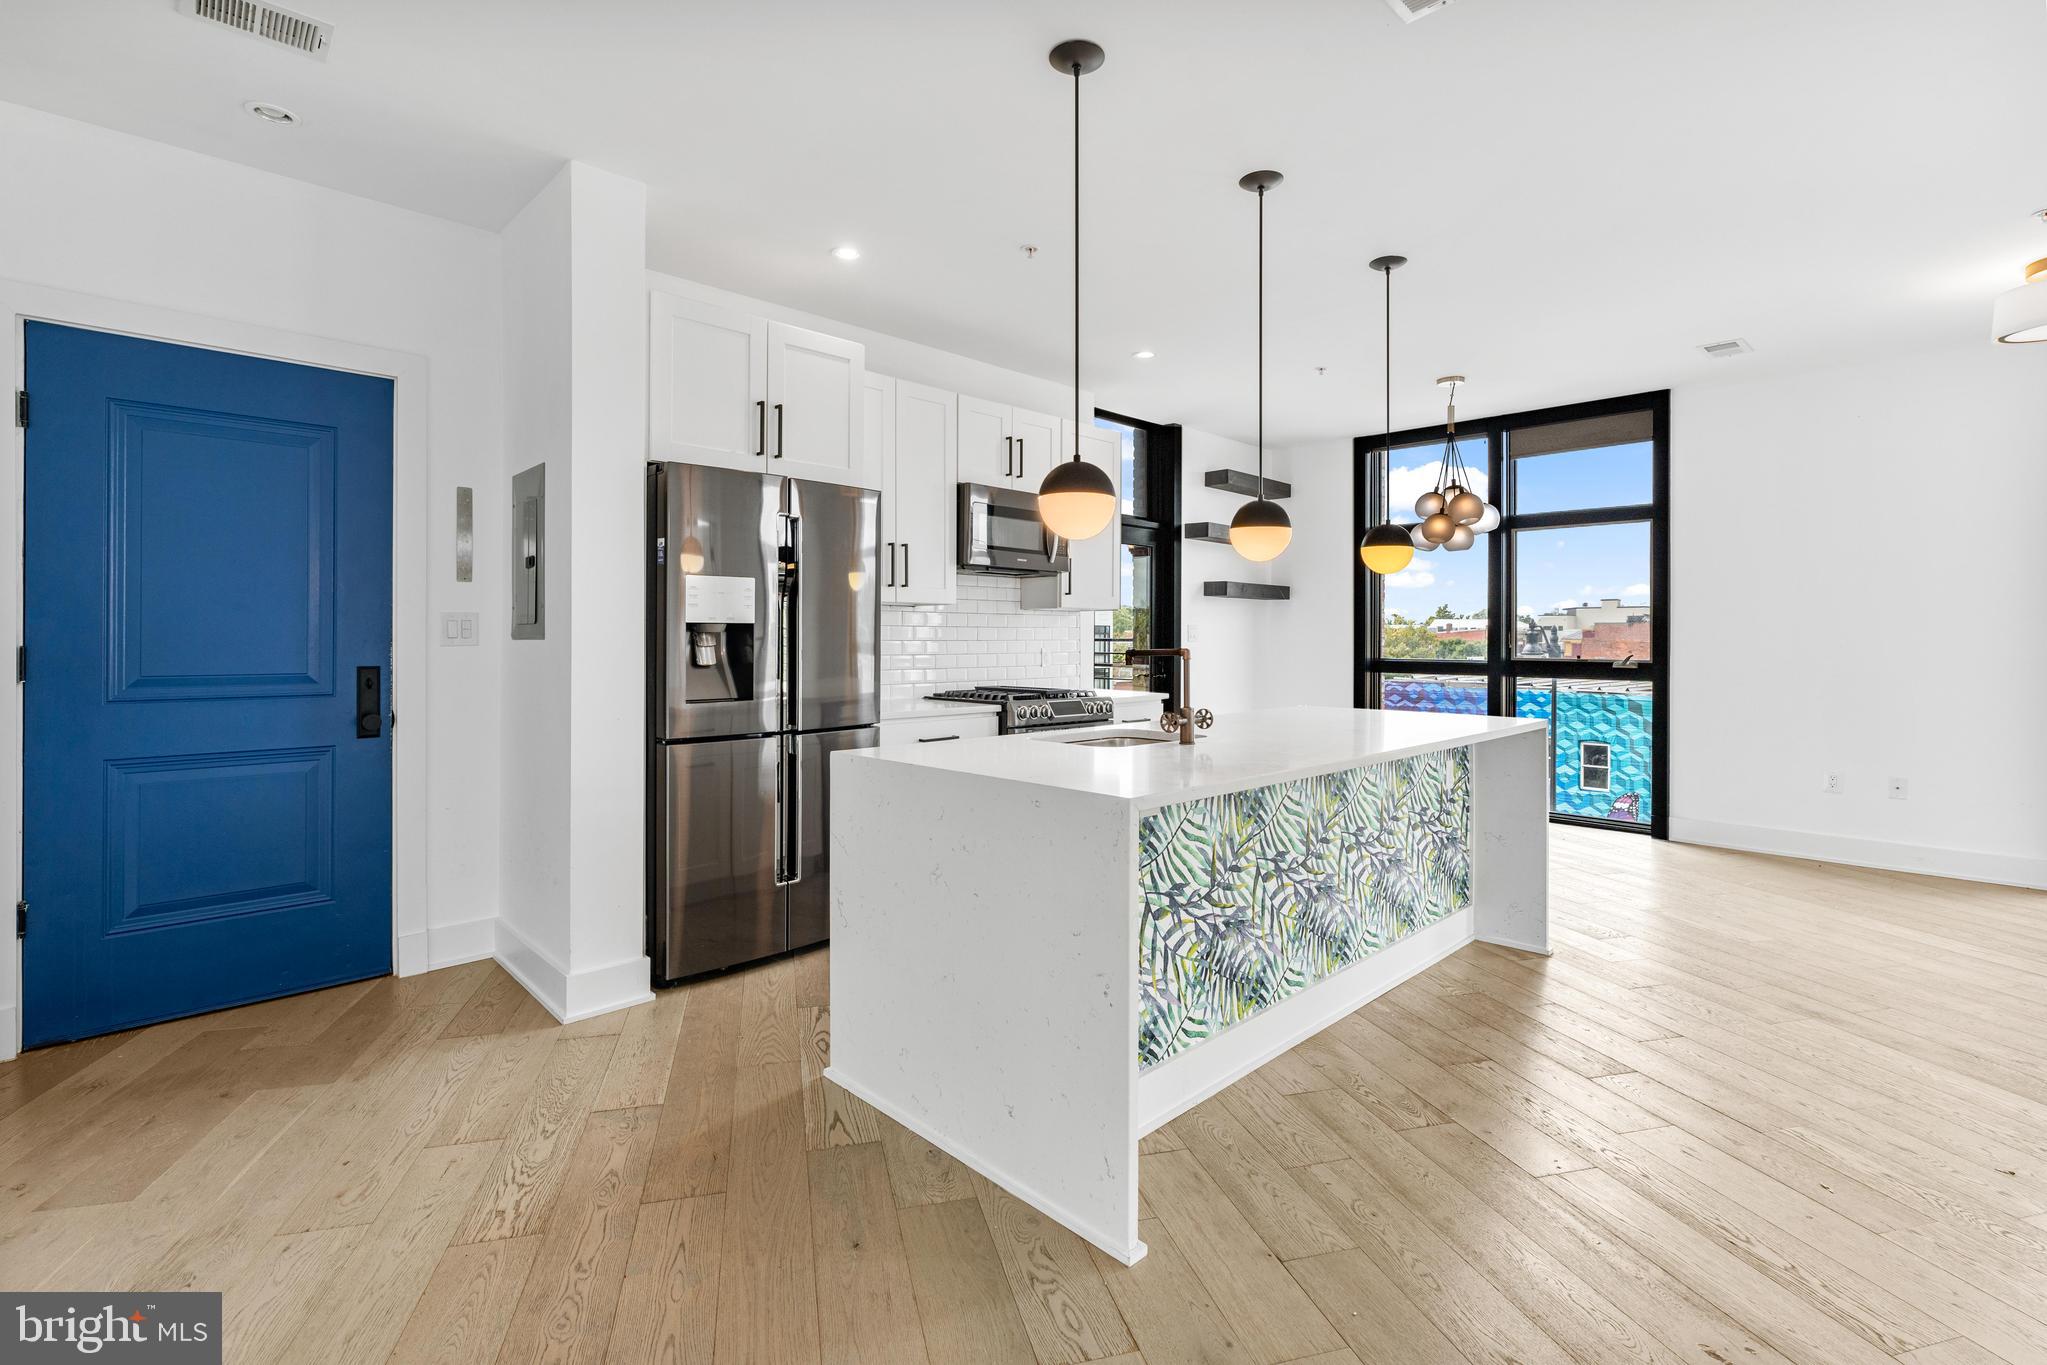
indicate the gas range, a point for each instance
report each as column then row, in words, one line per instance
column 1037, row 708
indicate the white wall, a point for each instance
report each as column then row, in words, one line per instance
column 1860, row 586
column 1307, row 642
column 1225, row 634
column 533, row 800
column 145, row 230
column 573, row 804
column 1881, row 635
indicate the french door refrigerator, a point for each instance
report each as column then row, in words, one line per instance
column 764, row 621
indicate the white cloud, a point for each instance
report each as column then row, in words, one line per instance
column 1406, row 483
column 1638, row 591
column 1415, row 575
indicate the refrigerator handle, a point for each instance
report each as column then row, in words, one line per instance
column 789, row 814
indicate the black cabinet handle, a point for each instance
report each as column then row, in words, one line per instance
column 369, row 703
column 1008, row 456
column 762, row 404
column 780, row 439
column 891, row 563
column 906, row 563
column 936, row 739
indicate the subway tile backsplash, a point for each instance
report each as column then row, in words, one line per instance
column 984, row 638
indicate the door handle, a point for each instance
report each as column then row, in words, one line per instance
column 369, row 703
column 780, row 440
column 762, row 404
column 1069, row 582
column 936, row 739
column 1008, row 456
column 906, row 563
column 891, row 564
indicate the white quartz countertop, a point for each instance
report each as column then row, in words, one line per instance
column 1245, row 749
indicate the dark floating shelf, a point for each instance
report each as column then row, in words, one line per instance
column 1216, row 531
column 1237, row 481
column 1267, row 592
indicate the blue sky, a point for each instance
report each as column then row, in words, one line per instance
column 1557, row 567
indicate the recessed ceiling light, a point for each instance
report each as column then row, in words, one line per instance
column 846, row 253
column 1142, row 355
column 271, row 113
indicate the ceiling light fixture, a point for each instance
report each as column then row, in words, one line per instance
column 1142, row 355
column 2021, row 314
column 271, row 113
column 845, row 253
column 1389, row 546
column 1451, row 513
column 1076, row 500
column 1261, row 531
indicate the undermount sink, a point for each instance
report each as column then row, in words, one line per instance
column 1124, row 741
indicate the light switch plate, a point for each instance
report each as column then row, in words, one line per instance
column 460, row 628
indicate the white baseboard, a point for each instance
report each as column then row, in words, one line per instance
column 1177, row 1084
column 544, row 979
column 1128, row 1253
column 600, row 990
column 2003, row 869
column 450, row 945
column 572, row 996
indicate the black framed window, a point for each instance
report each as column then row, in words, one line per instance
column 1574, row 625
column 1147, row 614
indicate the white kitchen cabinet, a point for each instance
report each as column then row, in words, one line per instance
column 920, row 508
column 729, row 389
column 878, row 434
column 970, row 723
column 1005, row 447
column 707, row 392
column 817, row 407
column 1094, row 583
column 987, row 451
column 1037, row 446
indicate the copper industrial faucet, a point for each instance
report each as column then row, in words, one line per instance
column 1186, row 718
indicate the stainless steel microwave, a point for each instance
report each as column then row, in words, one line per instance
column 1000, row 532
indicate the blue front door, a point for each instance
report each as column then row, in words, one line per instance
column 206, row 816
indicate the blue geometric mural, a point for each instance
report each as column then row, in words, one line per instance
column 1623, row 721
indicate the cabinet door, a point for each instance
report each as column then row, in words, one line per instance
column 878, row 436
column 707, row 384
column 1094, row 581
column 1037, row 446
column 986, row 452
column 923, row 492
column 817, row 407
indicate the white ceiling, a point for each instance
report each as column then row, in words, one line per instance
column 1588, row 188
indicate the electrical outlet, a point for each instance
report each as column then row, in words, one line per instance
column 1833, row 784
column 1897, row 788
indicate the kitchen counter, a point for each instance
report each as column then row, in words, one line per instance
column 1042, row 951
column 1243, row 750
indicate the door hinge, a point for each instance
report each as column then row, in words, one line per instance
column 21, row 407
column 21, row 663
column 21, row 919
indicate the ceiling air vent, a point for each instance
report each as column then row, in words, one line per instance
column 1411, row 10
column 1727, row 348
column 267, row 22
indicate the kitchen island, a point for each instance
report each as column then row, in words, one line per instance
column 1044, row 946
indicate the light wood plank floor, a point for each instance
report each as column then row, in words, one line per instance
column 1752, row 1111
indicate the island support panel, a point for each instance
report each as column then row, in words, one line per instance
column 984, row 941
column 1508, row 904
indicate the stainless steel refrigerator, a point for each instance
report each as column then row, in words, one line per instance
column 764, row 622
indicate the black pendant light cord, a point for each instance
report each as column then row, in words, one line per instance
column 1076, row 261
column 1261, row 343
column 1386, row 441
